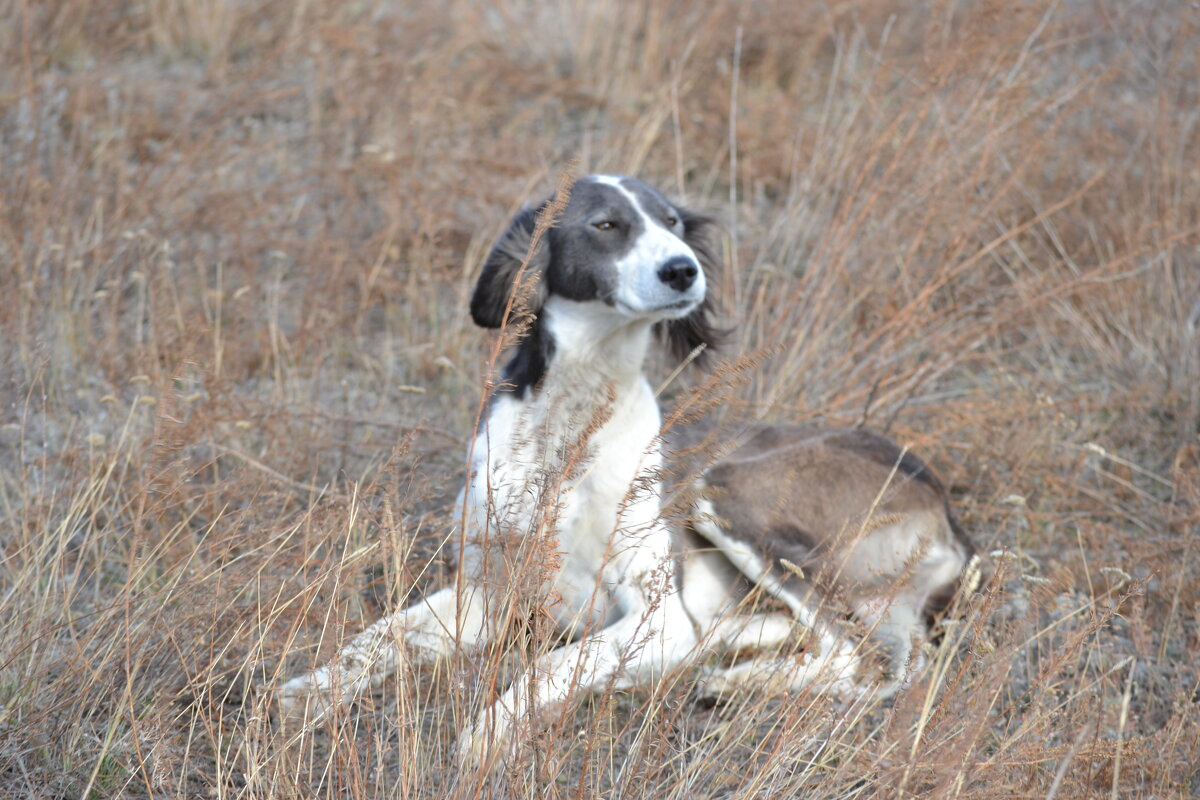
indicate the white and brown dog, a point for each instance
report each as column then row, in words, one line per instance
column 571, row 454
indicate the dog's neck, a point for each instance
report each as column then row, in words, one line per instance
column 579, row 371
column 581, row 347
column 594, row 344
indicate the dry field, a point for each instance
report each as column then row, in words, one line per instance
column 237, row 375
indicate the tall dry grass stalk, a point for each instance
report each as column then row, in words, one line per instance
column 238, row 377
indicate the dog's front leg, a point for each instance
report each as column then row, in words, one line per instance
column 430, row 629
column 635, row 650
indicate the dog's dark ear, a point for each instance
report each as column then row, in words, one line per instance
column 499, row 276
column 686, row 334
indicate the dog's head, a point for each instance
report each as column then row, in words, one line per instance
column 619, row 244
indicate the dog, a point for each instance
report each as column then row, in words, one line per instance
column 567, row 474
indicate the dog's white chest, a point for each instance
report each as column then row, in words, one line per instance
column 598, row 495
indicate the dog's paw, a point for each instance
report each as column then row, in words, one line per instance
column 487, row 742
column 477, row 746
column 300, row 704
column 714, row 684
column 470, row 747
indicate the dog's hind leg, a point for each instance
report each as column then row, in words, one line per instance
column 831, row 668
column 426, row 631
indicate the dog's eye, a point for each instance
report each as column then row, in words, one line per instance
column 606, row 225
column 672, row 222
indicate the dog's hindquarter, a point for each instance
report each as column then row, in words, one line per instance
column 831, row 522
column 848, row 507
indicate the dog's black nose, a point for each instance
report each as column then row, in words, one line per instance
column 679, row 273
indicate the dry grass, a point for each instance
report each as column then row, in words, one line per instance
column 237, row 377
